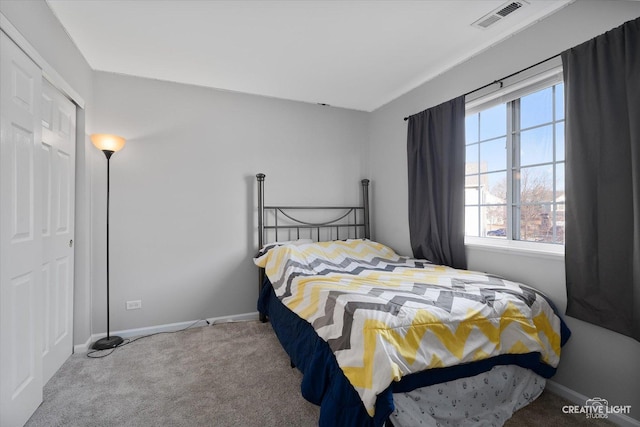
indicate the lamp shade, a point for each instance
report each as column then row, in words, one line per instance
column 106, row 142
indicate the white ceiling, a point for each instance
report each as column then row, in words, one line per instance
column 351, row 54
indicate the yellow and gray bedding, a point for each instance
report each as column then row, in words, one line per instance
column 386, row 316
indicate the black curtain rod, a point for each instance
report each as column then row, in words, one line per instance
column 500, row 81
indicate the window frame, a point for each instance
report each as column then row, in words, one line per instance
column 523, row 85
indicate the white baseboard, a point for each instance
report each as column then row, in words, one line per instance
column 622, row 420
column 83, row 348
column 171, row 327
column 244, row 317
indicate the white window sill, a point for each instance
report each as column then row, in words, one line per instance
column 541, row 250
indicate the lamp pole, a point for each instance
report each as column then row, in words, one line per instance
column 104, row 143
column 108, row 154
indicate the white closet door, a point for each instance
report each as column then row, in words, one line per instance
column 20, row 235
column 58, row 196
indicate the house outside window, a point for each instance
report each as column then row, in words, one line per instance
column 514, row 184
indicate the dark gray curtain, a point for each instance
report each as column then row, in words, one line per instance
column 602, row 98
column 436, row 156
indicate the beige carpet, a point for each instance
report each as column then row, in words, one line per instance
column 232, row 374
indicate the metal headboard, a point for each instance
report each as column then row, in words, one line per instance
column 346, row 221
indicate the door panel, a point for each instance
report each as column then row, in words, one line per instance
column 45, row 309
column 61, row 300
column 20, row 236
column 22, row 182
column 46, row 189
column 25, row 372
column 63, row 193
column 58, row 182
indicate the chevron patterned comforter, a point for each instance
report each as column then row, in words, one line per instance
column 385, row 316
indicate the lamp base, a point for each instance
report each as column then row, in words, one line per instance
column 107, row 343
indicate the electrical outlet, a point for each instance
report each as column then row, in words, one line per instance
column 134, row 305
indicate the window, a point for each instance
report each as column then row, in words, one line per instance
column 514, row 186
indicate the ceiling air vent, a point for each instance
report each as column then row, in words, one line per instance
column 499, row 14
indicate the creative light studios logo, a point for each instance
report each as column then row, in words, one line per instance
column 596, row 407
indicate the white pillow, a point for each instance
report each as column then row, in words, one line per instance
column 272, row 245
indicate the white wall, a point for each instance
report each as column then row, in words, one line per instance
column 35, row 21
column 183, row 200
column 595, row 362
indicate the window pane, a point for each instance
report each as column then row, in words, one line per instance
column 560, row 141
column 471, row 224
column 493, row 155
column 471, row 181
column 536, row 109
column 541, row 223
column 560, row 101
column 556, row 233
column 493, row 122
column 471, row 165
column 493, row 188
column 471, row 128
column 471, row 190
column 536, row 146
column 559, row 180
column 494, row 221
column 536, row 184
column 535, row 221
column 560, row 211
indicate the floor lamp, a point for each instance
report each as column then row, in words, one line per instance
column 108, row 144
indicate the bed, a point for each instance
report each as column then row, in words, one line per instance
column 383, row 339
